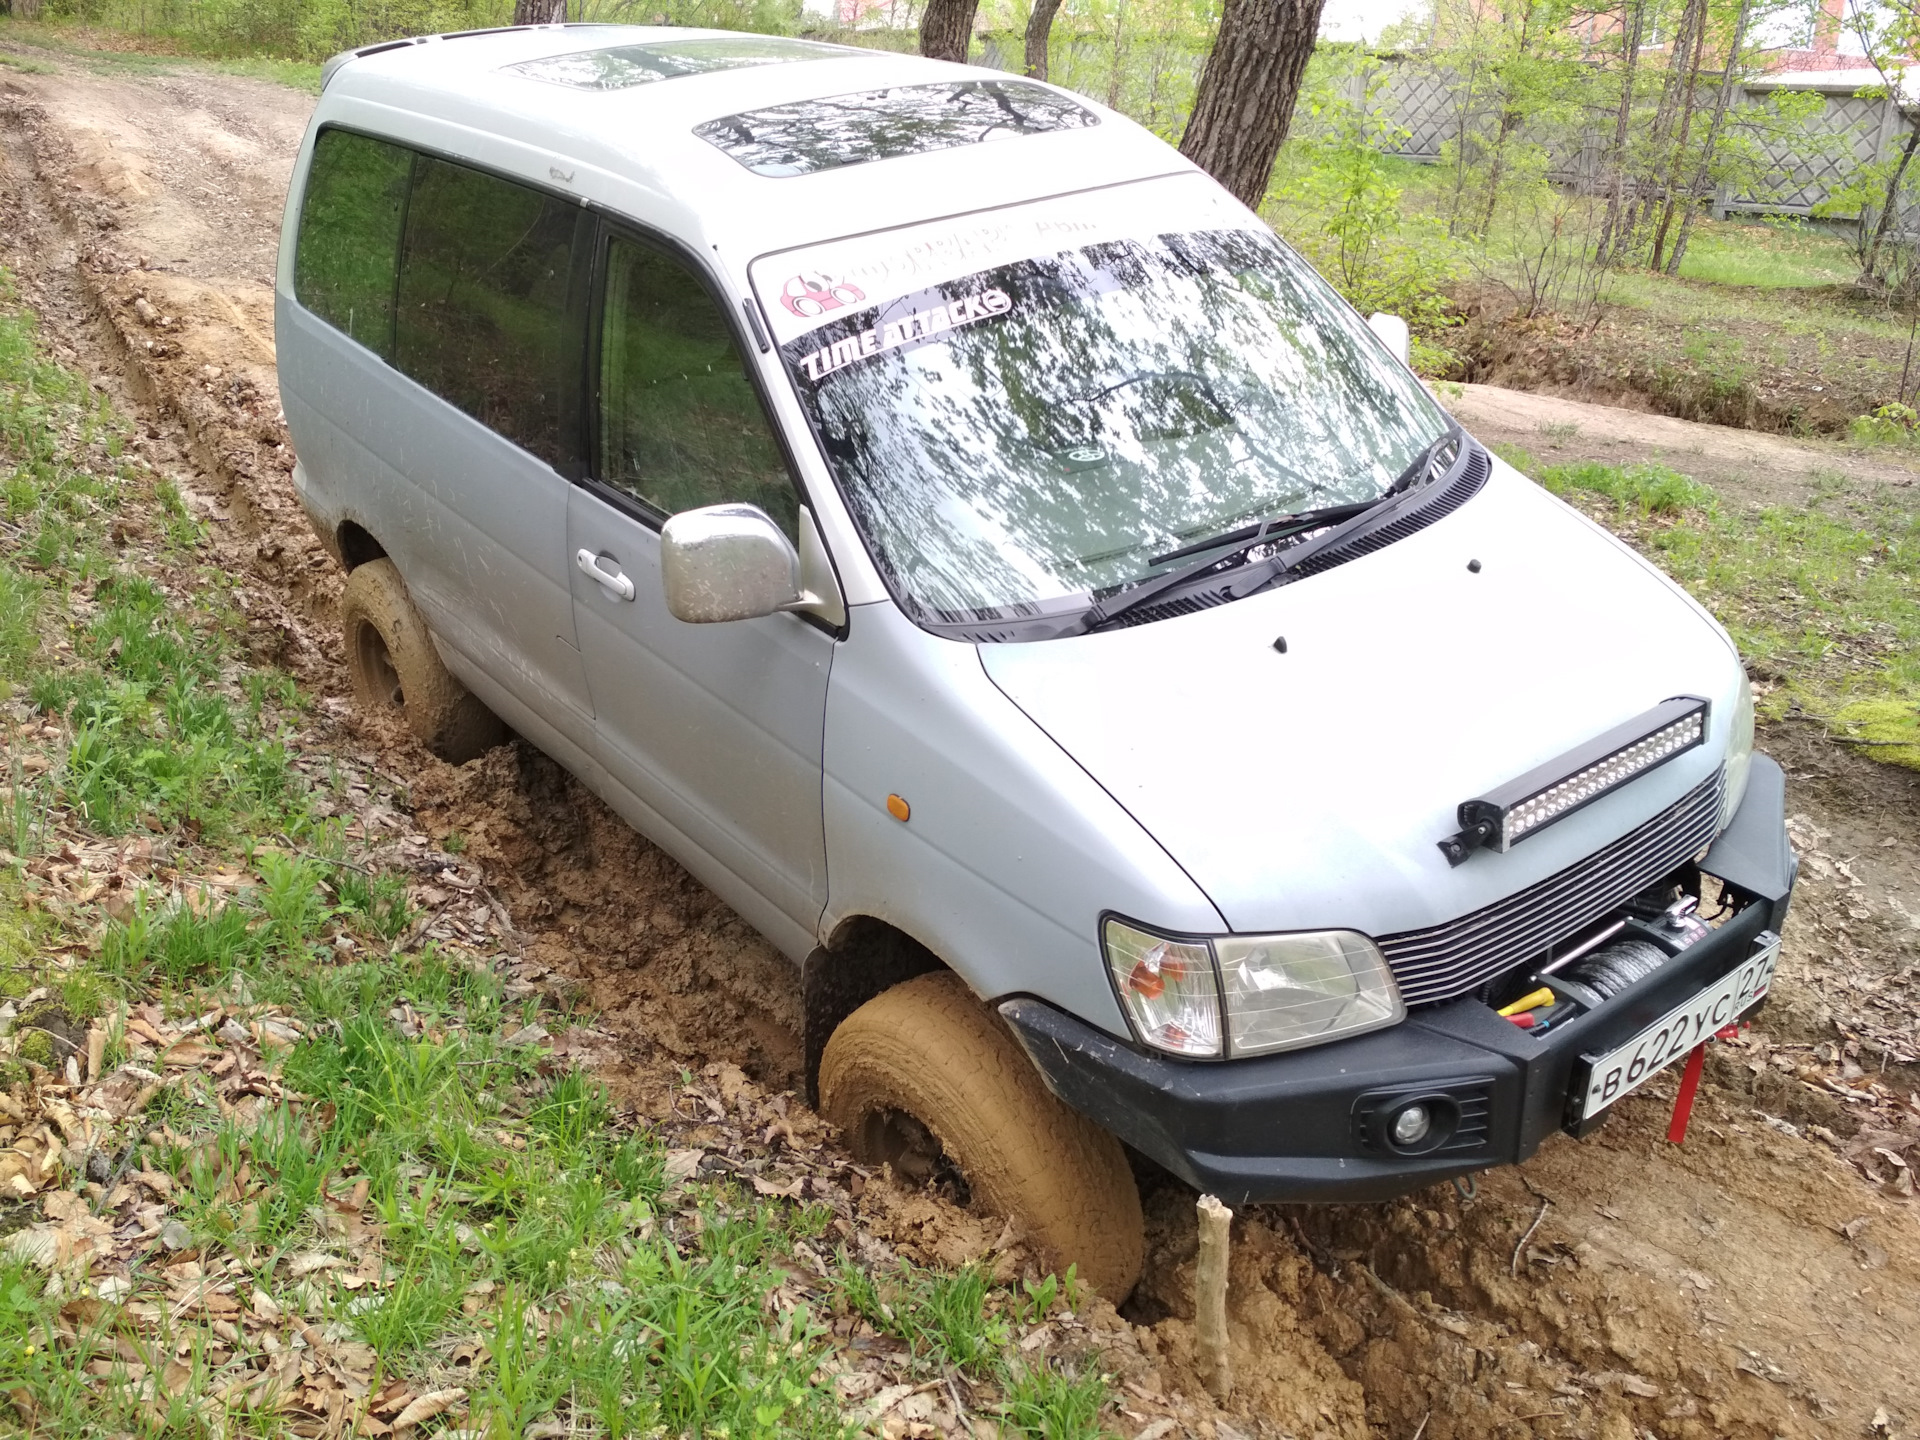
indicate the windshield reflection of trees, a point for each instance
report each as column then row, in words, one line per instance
column 823, row 134
column 1137, row 395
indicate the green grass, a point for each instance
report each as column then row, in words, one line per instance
column 84, row 47
column 1822, row 599
column 1768, row 254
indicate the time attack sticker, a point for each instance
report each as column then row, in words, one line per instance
column 909, row 329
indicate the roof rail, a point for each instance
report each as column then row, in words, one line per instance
column 345, row 57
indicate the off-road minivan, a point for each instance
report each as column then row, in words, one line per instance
column 968, row 540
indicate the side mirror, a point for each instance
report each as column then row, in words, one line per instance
column 727, row 562
column 1393, row 330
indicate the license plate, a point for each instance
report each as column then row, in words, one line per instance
column 1622, row 1071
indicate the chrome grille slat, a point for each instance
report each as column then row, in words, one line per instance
column 1444, row 961
column 1528, row 912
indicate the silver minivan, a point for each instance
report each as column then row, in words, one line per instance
column 974, row 546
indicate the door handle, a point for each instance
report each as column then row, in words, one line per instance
column 613, row 581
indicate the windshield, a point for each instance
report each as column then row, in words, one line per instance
column 1025, row 440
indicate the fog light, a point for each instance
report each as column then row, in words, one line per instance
column 1411, row 1125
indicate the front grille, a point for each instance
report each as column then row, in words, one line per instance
column 1447, row 960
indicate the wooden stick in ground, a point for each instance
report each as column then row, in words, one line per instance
column 96, row 1052
column 1210, row 1298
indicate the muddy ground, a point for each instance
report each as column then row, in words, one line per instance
column 1759, row 1281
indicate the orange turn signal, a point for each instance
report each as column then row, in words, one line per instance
column 898, row 808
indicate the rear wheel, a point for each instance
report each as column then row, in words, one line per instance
column 925, row 1075
column 394, row 666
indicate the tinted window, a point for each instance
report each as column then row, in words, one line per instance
column 483, row 300
column 811, row 135
column 622, row 66
column 680, row 423
column 349, row 245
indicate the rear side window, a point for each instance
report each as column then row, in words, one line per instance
column 349, row 243
column 484, row 270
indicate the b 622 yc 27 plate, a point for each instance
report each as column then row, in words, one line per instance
column 1600, row 1080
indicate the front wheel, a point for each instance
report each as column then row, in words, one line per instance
column 926, row 1070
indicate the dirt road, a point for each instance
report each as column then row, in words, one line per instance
column 1762, row 1280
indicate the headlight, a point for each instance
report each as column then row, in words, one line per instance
column 1279, row 991
column 1739, row 754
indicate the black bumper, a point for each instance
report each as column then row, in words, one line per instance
column 1305, row 1125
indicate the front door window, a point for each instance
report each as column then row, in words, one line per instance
column 680, row 423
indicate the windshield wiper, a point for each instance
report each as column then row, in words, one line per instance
column 1331, row 518
column 1272, row 528
column 1225, row 547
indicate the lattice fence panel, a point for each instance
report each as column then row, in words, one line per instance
column 1803, row 169
column 1425, row 101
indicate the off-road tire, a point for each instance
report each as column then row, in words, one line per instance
column 394, row 666
column 929, row 1050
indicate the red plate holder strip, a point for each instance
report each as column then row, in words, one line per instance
column 1690, row 1083
column 1689, row 1087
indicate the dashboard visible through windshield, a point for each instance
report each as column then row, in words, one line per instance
column 1028, row 439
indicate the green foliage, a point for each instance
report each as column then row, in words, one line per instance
column 1646, row 488
column 1337, row 199
column 1891, row 424
column 19, row 623
column 1050, row 1403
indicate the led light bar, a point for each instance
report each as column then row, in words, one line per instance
column 1552, row 791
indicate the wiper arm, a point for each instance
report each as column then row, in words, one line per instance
column 1227, row 546
column 1270, row 529
column 1333, row 518
column 1423, row 471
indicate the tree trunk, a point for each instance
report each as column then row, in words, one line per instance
column 1680, row 143
column 539, row 12
column 946, row 28
column 1247, row 92
column 1039, row 32
column 1869, row 270
column 1705, row 174
column 1612, row 233
column 1659, row 148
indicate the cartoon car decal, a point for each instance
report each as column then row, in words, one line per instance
column 811, row 293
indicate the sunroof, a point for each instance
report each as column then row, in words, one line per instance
column 810, row 135
column 627, row 65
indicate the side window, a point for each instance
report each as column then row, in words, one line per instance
column 482, row 318
column 349, row 243
column 680, row 423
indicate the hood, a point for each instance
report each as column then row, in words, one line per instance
column 1310, row 788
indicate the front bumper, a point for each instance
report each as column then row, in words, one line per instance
column 1302, row 1126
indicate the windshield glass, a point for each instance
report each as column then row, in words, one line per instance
column 1026, row 439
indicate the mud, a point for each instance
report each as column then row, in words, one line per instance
column 1758, row 1281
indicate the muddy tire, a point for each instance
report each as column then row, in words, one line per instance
column 926, row 1061
column 395, row 667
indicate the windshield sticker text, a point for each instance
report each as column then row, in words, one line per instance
column 907, row 330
